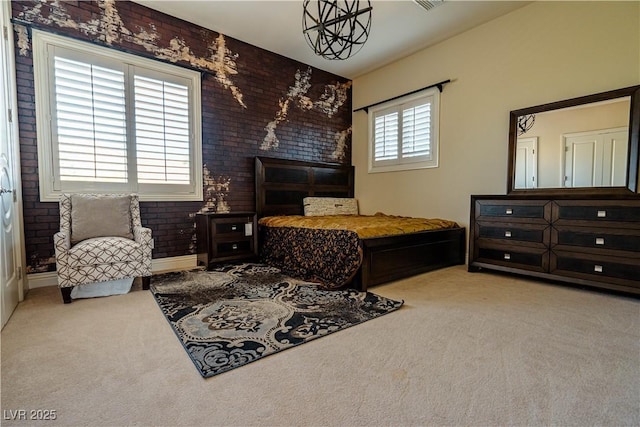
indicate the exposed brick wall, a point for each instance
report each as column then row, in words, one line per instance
column 233, row 128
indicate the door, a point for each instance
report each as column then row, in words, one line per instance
column 527, row 163
column 614, row 158
column 596, row 159
column 580, row 161
column 10, row 224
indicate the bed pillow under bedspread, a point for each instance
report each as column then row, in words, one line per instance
column 365, row 226
column 327, row 249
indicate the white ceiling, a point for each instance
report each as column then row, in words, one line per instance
column 399, row 27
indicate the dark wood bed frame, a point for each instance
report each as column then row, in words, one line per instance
column 282, row 184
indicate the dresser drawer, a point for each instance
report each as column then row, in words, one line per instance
column 605, row 213
column 234, row 226
column 616, row 270
column 531, row 235
column 535, row 259
column 597, row 240
column 530, row 211
column 242, row 247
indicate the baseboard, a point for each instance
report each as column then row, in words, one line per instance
column 176, row 263
column 158, row 265
column 41, row 280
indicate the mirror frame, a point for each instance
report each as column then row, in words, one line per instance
column 631, row 188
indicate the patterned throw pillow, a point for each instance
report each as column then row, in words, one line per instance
column 317, row 206
column 100, row 216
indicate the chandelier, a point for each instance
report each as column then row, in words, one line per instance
column 525, row 123
column 336, row 29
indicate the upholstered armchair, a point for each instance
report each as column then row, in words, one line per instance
column 101, row 238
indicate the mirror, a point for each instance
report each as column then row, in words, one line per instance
column 586, row 145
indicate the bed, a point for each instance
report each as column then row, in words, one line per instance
column 303, row 252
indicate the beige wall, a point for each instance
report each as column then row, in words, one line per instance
column 542, row 52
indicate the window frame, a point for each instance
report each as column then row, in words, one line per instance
column 431, row 95
column 48, row 164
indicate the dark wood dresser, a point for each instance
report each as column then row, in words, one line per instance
column 584, row 242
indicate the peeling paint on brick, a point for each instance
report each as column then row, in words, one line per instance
column 333, row 98
column 222, row 61
column 297, row 92
column 57, row 15
column 23, row 39
column 147, row 39
column 215, row 192
column 341, row 144
column 110, row 29
column 40, row 265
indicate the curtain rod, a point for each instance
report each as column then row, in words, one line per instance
column 438, row 85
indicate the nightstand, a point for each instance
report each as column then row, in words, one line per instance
column 226, row 237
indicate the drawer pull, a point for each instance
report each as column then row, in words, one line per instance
column 600, row 241
column 602, row 214
column 507, row 233
column 509, row 211
column 234, row 246
column 234, row 227
column 507, row 256
column 597, row 268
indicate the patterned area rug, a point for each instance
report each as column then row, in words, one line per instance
column 236, row 314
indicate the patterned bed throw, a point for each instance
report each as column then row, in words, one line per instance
column 328, row 257
column 326, row 249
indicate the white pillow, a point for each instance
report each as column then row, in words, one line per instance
column 317, row 206
column 95, row 215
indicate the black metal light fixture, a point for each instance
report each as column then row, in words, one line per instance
column 525, row 123
column 336, row 29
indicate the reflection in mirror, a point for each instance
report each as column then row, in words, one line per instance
column 580, row 146
column 585, row 146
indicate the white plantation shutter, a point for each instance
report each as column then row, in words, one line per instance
column 162, row 131
column 111, row 122
column 386, row 136
column 405, row 133
column 416, row 131
column 90, row 122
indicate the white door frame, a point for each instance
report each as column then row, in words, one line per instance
column 598, row 154
column 531, row 181
column 9, row 115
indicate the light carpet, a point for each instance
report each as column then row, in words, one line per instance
column 465, row 349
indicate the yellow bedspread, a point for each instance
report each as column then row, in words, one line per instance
column 365, row 226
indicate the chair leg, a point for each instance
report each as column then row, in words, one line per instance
column 146, row 282
column 66, row 294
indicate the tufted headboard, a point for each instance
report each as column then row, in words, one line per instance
column 282, row 184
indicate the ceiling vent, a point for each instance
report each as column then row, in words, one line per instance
column 428, row 4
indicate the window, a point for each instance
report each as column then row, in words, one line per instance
column 114, row 122
column 404, row 133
